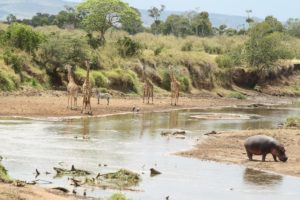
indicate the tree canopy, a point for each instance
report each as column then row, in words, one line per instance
column 100, row 15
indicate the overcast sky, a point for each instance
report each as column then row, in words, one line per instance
column 282, row 9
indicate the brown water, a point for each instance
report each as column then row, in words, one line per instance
column 134, row 142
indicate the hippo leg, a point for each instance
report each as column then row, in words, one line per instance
column 249, row 155
column 264, row 157
column 275, row 159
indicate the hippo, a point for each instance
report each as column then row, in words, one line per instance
column 263, row 145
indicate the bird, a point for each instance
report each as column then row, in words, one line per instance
column 133, row 108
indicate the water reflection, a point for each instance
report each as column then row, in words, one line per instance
column 260, row 178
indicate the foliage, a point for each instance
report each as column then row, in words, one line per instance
column 3, row 174
column 166, row 81
column 201, row 24
column 184, row 84
column 100, row 79
column 178, row 25
column 264, row 46
column 23, row 37
column 123, row 80
column 292, row 122
column 67, row 18
column 117, row 196
column 293, row 27
column 128, row 47
column 7, row 83
column 134, row 24
column 236, row 95
column 187, row 46
column 224, row 61
column 123, row 178
column 158, row 50
column 212, row 48
column 100, row 15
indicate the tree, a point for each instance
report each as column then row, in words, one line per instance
column 178, row 25
column 42, row 19
column 134, row 24
column 275, row 25
column 155, row 13
column 202, row 25
column 11, row 19
column 23, row 37
column 293, row 27
column 265, row 47
column 249, row 20
column 100, row 15
column 67, row 18
column 222, row 29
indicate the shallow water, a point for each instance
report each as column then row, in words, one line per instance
column 134, row 142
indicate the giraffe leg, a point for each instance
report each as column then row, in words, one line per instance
column 68, row 101
column 144, row 96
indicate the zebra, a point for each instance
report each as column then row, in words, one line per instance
column 101, row 95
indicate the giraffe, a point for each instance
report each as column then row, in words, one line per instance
column 72, row 88
column 175, row 87
column 148, row 86
column 87, row 91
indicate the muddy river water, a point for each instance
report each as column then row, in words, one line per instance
column 133, row 141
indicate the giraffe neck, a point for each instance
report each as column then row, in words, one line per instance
column 70, row 77
column 88, row 75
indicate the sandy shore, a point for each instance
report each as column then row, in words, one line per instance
column 228, row 147
column 11, row 192
column 56, row 106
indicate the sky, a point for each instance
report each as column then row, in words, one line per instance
column 282, row 9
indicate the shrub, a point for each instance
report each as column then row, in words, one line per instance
column 224, row 61
column 166, row 81
column 212, row 49
column 23, row 37
column 292, row 122
column 127, row 47
column 7, row 83
column 184, row 84
column 158, row 50
column 236, row 95
column 187, row 46
column 117, row 196
column 100, row 80
column 123, row 80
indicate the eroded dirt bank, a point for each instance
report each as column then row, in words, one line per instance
column 228, row 147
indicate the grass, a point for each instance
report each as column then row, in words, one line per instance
column 236, row 95
column 3, row 174
column 117, row 196
column 123, row 178
column 292, row 122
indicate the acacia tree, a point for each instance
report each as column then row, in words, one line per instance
column 100, row 15
column 155, row 13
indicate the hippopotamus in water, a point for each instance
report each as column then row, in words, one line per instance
column 263, row 145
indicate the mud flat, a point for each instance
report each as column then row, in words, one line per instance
column 228, row 147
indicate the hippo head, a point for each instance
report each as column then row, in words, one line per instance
column 280, row 153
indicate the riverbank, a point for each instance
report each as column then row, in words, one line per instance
column 54, row 104
column 28, row 192
column 228, row 147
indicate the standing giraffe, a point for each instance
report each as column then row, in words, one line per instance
column 72, row 88
column 148, row 86
column 87, row 90
column 175, row 87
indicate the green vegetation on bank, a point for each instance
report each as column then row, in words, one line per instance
column 3, row 174
column 113, row 39
column 292, row 122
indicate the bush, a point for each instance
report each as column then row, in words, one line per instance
column 127, row 47
column 166, row 81
column 117, row 196
column 212, row 49
column 224, row 61
column 7, row 83
column 236, row 95
column 158, row 50
column 184, row 84
column 187, row 46
column 100, row 80
column 16, row 61
column 123, row 80
column 23, row 37
column 292, row 122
